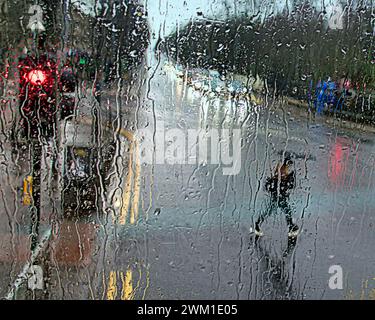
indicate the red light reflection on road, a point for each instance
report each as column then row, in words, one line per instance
column 339, row 164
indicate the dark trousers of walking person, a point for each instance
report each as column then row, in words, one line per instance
column 275, row 202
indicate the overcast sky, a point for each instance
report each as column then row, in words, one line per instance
column 166, row 15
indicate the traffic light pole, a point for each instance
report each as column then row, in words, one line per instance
column 36, row 140
column 36, row 178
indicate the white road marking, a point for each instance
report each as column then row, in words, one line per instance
column 22, row 276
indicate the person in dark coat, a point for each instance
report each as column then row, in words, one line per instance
column 278, row 187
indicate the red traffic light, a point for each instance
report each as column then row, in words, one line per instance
column 36, row 77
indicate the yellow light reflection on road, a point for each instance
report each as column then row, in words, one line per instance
column 126, row 285
column 112, row 286
column 27, row 190
column 127, row 190
column 137, row 188
column 131, row 191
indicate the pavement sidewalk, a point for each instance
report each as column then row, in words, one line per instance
column 346, row 121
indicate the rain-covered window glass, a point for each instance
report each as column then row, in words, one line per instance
column 187, row 149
